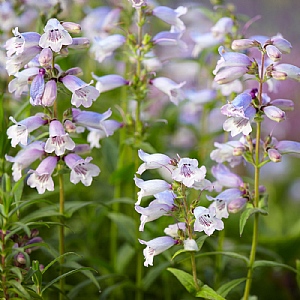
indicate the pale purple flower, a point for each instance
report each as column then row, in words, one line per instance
column 282, row 44
column 236, row 205
column 25, row 158
column 50, row 93
column 46, row 58
column 188, row 173
column 172, row 230
column 273, row 53
column 104, row 47
column 220, row 202
column 55, row 36
column 81, row 169
column 274, row 155
column 190, row 245
column 225, row 177
column 171, row 16
column 203, row 41
column 222, row 27
column 284, row 104
column 206, row 220
column 283, row 71
column 166, row 38
column 155, row 210
column 226, row 152
column 285, row 147
column 41, row 178
column 171, row 88
column 274, row 113
column 109, row 82
column 95, row 135
column 19, row 132
column 37, row 88
column 150, row 187
column 59, row 141
column 92, row 120
column 82, row 93
column 152, row 161
column 79, row 43
column 155, row 247
column 71, row 27
column 201, row 96
column 243, row 44
column 227, row 75
column 21, row 41
column 19, row 85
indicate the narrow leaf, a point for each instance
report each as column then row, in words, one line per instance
column 247, row 213
column 228, row 286
column 270, row 263
column 207, row 292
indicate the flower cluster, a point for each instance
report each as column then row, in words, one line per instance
column 171, row 200
column 31, row 59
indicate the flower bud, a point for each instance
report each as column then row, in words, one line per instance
column 274, row 155
column 71, row 27
column 227, row 75
column 76, row 71
column 242, row 44
column 262, row 189
column 21, row 259
column 284, row 104
column 274, row 113
column 282, row 44
column 190, row 245
column 236, row 205
column 80, row 43
column 69, row 126
column 291, row 71
column 238, row 151
column 46, row 57
column 278, row 75
column 273, row 53
column 50, row 93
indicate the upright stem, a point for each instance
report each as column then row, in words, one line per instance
column 61, row 231
column 3, row 265
column 256, row 191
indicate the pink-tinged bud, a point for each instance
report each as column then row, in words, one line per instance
column 50, row 93
column 76, row 71
column 284, row 104
column 236, row 205
column 21, row 259
column 277, row 75
column 274, row 155
column 274, row 113
column 238, row 151
column 242, row 44
column 262, row 189
column 46, row 57
column 71, row 27
column 227, row 75
column 273, row 53
column 69, row 126
column 80, row 43
column 282, row 44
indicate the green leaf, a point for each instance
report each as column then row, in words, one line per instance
column 270, row 263
column 298, row 272
column 207, row 292
column 63, row 276
column 185, row 279
column 20, row 289
column 230, row 254
column 124, row 257
column 153, row 273
column 228, row 286
column 247, row 213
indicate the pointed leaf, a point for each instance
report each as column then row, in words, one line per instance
column 228, row 286
column 207, row 292
column 247, row 213
column 274, row 264
column 20, row 289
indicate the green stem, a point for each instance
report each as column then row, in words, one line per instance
column 61, row 231
column 3, row 265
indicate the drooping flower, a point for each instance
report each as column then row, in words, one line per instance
column 173, row 229
column 109, row 82
column 41, row 178
column 150, row 187
column 82, row 93
column 19, row 132
column 81, row 169
column 152, row 161
column 55, row 36
column 59, row 141
column 25, row 158
column 188, row 173
column 206, row 220
column 171, row 88
column 155, row 247
column 225, row 177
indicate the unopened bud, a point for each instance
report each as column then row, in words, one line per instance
column 278, row 75
column 274, row 113
column 21, row 259
column 71, row 27
column 80, row 43
column 190, row 245
column 262, row 189
column 50, row 93
column 69, row 126
column 285, row 104
column 274, row 155
column 46, row 57
column 238, row 151
column 242, row 44
column 236, row 205
column 273, row 53
column 282, row 44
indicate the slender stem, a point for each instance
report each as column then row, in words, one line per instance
column 3, row 265
column 61, row 231
column 256, row 191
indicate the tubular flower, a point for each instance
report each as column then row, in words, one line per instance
column 109, row 82
column 152, row 161
column 55, row 36
column 59, row 140
column 81, row 169
column 41, row 177
column 225, row 177
column 173, row 229
column 82, row 93
column 155, row 247
column 188, row 172
column 206, row 220
column 37, row 88
column 18, row 133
